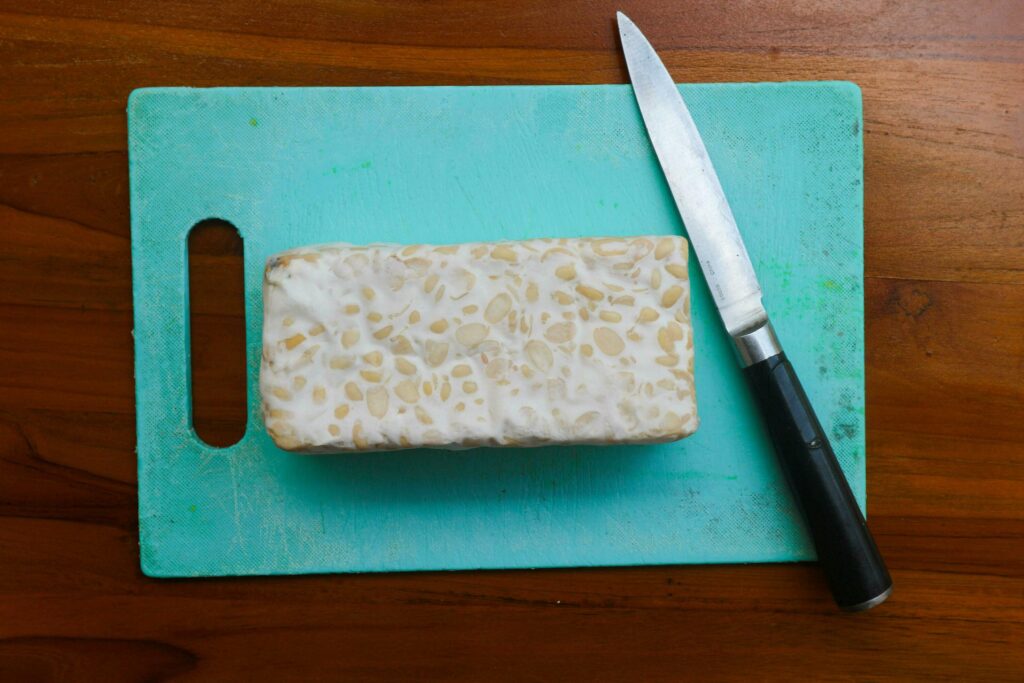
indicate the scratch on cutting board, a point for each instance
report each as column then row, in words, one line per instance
column 469, row 200
column 239, row 536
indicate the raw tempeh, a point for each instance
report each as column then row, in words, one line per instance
column 525, row 343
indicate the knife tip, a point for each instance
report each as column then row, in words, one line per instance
column 626, row 24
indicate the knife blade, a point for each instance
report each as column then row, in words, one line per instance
column 852, row 564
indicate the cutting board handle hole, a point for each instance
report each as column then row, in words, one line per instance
column 217, row 332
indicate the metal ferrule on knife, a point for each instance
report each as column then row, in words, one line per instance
column 756, row 344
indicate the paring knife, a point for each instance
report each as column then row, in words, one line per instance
column 847, row 552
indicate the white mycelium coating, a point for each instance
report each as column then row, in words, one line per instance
column 483, row 344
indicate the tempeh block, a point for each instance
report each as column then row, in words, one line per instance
column 529, row 343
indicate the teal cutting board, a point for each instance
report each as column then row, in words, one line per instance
column 298, row 166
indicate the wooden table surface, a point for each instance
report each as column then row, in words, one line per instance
column 943, row 86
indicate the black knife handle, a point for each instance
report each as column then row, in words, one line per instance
column 853, row 567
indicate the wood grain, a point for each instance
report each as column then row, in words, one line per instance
column 943, row 88
column 217, row 332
